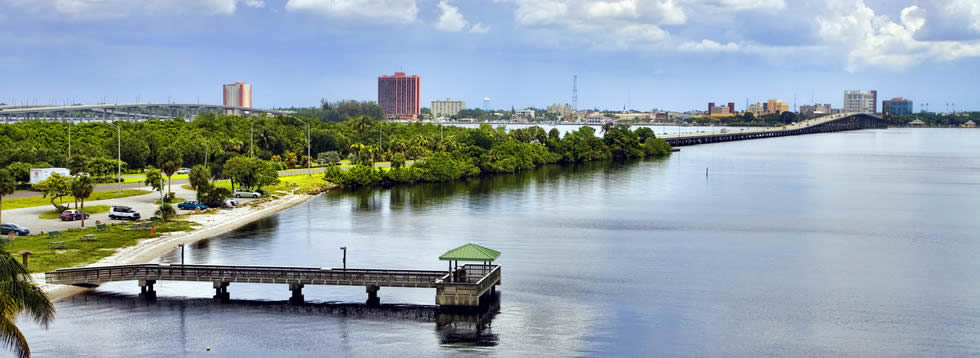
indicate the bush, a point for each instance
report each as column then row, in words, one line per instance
column 656, row 148
column 331, row 158
column 166, row 212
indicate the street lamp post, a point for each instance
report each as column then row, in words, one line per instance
column 309, row 149
column 344, row 248
column 118, row 153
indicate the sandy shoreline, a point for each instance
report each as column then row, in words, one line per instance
column 149, row 249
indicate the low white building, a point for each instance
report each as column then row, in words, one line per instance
column 525, row 113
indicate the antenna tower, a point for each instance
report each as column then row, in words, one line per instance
column 575, row 93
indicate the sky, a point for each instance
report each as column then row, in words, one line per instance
column 665, row 54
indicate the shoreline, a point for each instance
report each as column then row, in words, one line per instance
column 149, row 249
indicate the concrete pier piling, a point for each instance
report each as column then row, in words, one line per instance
column 221, row 291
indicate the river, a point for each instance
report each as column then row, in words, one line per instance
column 859, row 243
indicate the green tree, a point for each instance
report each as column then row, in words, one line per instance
column 20, row 296
column 78, row 164
column 56, row 187
column 81, row 189
column 240, row 171
column 8, row 184
column 397, row 160
column 170, row 159
column 199, row 176
column 645, row 133
column 265, row 175
column 165, row 212
column 154, row 178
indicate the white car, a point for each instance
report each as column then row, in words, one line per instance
column 230, row 203
column 184, row 171
column 123, row 213
column 245, row 193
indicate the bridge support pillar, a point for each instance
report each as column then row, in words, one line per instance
column 146, row 289
column 297, row 297
column 221, row 291
column 372, row 291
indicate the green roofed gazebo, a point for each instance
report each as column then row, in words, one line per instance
column 470, row 252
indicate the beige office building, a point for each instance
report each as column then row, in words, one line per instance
column 447, row 108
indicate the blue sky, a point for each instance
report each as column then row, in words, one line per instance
column 667, row 54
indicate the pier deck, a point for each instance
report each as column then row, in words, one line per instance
column 465, row 286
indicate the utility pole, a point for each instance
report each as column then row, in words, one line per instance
column 251, row 140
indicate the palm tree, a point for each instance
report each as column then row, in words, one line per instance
column 81, row 189
column 8, row 184
column 170, row 159
column 19, row 295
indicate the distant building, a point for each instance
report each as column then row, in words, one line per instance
column 969, row 124
column 809, row 111
column 525, row 113
column 237, row 94
column 757, row 109
column 399, row 96
column 730, row 108
column 917, row 123
column 861, row 101
column 897, row 106
column 595, row 118
column 447, row 108
column 562, row 110
column 775, row 106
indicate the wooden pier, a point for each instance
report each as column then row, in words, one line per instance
column 465, row 286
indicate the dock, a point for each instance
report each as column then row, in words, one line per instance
column 462, row 286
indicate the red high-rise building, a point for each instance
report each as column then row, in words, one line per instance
column 399, row 96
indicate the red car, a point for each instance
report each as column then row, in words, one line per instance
column 70, row 215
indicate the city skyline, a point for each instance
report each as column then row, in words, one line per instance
column 516, row 52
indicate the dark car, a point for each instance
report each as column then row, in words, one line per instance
column 8, row 228
column 191, row 205
column 69, row 215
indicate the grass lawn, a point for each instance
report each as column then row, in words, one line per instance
column 306, row 183
column 77, row 252
column 31, row 202
column 91, row 209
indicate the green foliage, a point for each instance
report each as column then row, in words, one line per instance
column 398, row 160
column 199, row 176
column 154, row 178
column 20, row 297
column 55, row 187
column 212, row 195
column 165, row 212
column 170, row 159
column 645, row 133
column 656, row 148
column 250, row 173
column 329, row 158
column 582, row 146
column 355, row 176
column 440, row 167
column 82, row 188
column 8, row 184
column 622, row 142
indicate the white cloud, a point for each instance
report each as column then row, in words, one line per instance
column 479, row 28
column 397, row 11
column 254, row 3
column 964, row 10
column 754, row 4
column 867, row 39
column 450, row 20
column 102, row 9
column 708, row 46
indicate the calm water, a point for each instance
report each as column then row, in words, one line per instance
column 847, row 244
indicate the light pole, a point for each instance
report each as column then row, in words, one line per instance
column 344, row 248
column 309, row 157
column 69, row 140
column 251, row 138
column 119, row 154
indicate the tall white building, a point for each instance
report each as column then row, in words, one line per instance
column 447, row 108
column 237, row 94
column 861, row 101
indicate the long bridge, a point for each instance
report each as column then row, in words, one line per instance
column 465, row 286
column 124, row 111
column 825, row 124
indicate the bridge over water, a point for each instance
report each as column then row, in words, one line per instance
column 825, row 124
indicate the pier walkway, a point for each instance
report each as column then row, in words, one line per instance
column 464, row 286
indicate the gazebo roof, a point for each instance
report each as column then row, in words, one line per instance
column 970, row 122
column 470, row 252
column 917, row 121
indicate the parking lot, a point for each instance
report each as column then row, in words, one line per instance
column 144, row 204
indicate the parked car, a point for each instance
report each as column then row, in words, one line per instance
column 191, row 205
column 70, row 215
column 245, row 193
column 184, row 171
column 123, row 213
column 17, row 229
column 230, row 203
